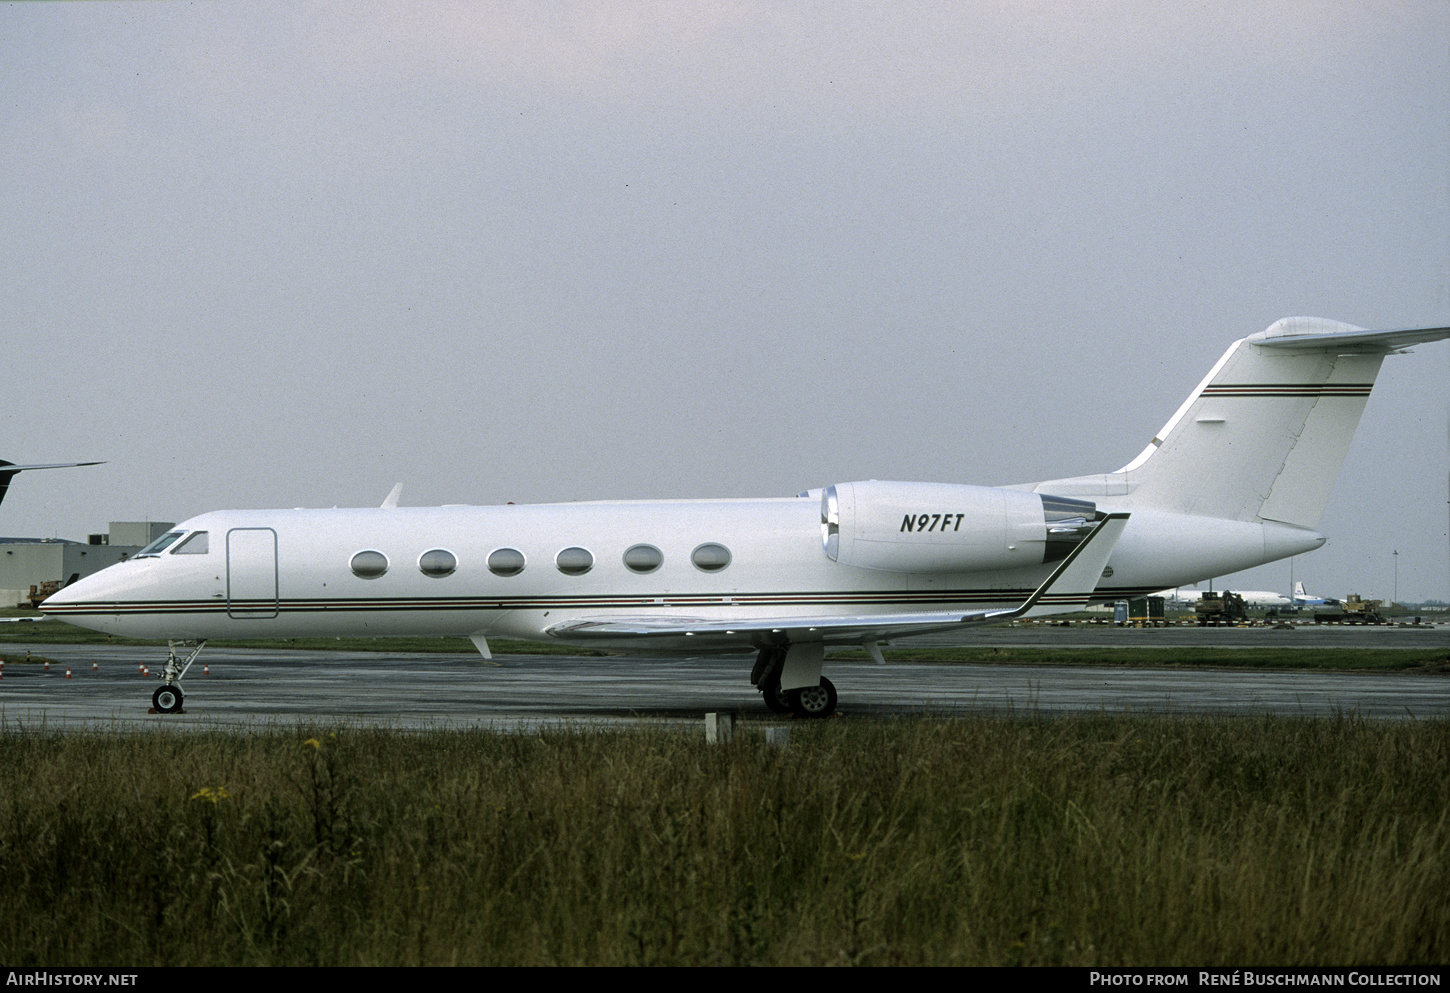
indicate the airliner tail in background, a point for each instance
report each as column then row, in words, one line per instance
column 9, row 470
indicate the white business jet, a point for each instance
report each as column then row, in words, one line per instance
column 1251, row 598
column 1237, row 477
column 1303, row 598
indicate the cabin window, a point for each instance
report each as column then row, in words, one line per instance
column 643, row 558
column 193, row 545
column 506, row 562
column 574, row 561
column 710, row 557
column 437, row 562
column 159, row 545
column 369, row 564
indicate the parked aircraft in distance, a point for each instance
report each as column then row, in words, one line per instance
column 1237, row 477
column 9, row 470
column 1303, row 599
column 1252, row 598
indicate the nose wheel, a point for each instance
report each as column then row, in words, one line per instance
column 167, row 699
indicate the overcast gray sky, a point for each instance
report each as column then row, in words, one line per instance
column 288, row 254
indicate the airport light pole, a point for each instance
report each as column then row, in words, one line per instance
column 1397, row 577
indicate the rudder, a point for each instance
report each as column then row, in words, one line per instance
column 1264, row 436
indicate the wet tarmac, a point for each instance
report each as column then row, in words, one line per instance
column 256, row 687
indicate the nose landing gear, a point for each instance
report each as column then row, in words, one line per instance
column 168, row 698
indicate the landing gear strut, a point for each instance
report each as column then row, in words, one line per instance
column 168, row 698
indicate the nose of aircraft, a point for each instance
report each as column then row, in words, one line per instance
column 67, row 595
column 88, row 603
column 91, row 590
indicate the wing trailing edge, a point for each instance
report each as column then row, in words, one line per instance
column 1068, row 588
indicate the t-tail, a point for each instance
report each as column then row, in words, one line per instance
column 8, row 471
column 1263, row 436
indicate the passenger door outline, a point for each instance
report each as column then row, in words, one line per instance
column 252, row 573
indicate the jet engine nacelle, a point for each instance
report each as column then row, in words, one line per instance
column 945, row 527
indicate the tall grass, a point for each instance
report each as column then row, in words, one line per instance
column 1100, row 840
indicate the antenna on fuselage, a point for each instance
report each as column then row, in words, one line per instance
column 390, row 502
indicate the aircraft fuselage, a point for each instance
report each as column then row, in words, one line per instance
column 518, row 571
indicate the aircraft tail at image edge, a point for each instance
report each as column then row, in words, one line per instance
column 1263, row 436
column 8, row 471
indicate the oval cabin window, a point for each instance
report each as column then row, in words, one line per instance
column 710, row 557
column 506, row 562
column 369, row 564
column 574, row 561
column 437, row 563
column 643, row 558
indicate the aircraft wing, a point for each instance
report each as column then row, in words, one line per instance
column 1067, row 589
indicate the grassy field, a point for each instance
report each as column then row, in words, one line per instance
column 1095, row 840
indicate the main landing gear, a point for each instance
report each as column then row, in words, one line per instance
column 805, row 701
column 168, row 698
column 814, row 701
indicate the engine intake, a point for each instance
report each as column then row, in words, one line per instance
column 947, row 527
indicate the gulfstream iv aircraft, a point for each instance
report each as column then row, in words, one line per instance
column 1237, row 477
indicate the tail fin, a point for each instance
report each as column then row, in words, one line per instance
column 1263, row 436
column 8, row 471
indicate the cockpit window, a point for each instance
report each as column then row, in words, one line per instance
column 193, row 545
column 159, row 545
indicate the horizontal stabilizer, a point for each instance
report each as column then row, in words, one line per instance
column 1350, row 342
column 8, row 470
